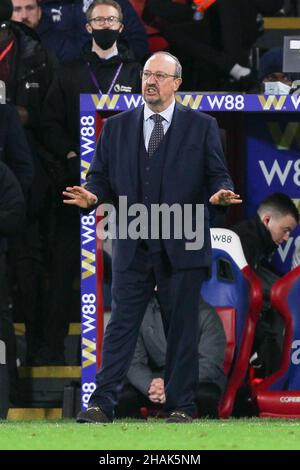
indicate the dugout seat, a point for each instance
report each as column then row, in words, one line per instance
column 235, row 292
column 278, row 395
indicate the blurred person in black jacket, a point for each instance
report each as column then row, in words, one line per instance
column 276, row 217
column 61, row 26
column 144, row 386
column 12, row 219
column 105, row 67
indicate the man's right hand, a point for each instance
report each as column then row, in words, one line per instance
column 80, row 197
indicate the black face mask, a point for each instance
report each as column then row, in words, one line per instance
column 105, row 38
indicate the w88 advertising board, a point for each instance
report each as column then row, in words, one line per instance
column 272, row 163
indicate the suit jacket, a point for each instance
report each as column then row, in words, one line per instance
column 149, row 358
column 194, row 167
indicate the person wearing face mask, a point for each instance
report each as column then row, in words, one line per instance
column 272, row 79
column 276, row 217
column 61, row 26
column 105, row 67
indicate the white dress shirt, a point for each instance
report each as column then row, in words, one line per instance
column 167, row 114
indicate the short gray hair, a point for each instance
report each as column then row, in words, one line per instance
column 178, row 66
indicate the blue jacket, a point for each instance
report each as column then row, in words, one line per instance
column 62, row 28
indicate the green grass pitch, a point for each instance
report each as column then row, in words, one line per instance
column 232, row 434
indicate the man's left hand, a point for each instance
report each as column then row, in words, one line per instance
column 225, row 197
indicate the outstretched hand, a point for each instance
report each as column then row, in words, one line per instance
column 80, row 197
column 225, row 197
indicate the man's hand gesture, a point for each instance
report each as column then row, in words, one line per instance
column 80, row 197
column 225, row 197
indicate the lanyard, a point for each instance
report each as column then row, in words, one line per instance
column 6, row 50
column 95, row 81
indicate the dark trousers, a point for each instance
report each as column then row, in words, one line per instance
column 132, row 400
column 178, row 294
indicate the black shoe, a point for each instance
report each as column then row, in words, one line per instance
column 93, row 414
column 247, row 83
column 179, row 417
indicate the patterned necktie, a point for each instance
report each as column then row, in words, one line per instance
column 157, row 134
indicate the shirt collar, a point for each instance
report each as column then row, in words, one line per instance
column 166, row 114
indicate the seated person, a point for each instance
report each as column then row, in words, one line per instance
column 145, row 378
column 276, row 217
column 105, row 67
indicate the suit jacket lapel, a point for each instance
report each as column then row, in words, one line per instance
column 179, row 125
column 134, row 128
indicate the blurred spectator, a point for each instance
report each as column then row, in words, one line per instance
column 219, row 44
column 27, row 70
column 145, row 387
column 12, row 218
column 104, row 67
column 27, row 11
column 14, row 149
column 62, row 28
column 276, row 217
column 296, row 257
column 270, row 72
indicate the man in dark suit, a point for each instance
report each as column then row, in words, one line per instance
column 159, row 153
